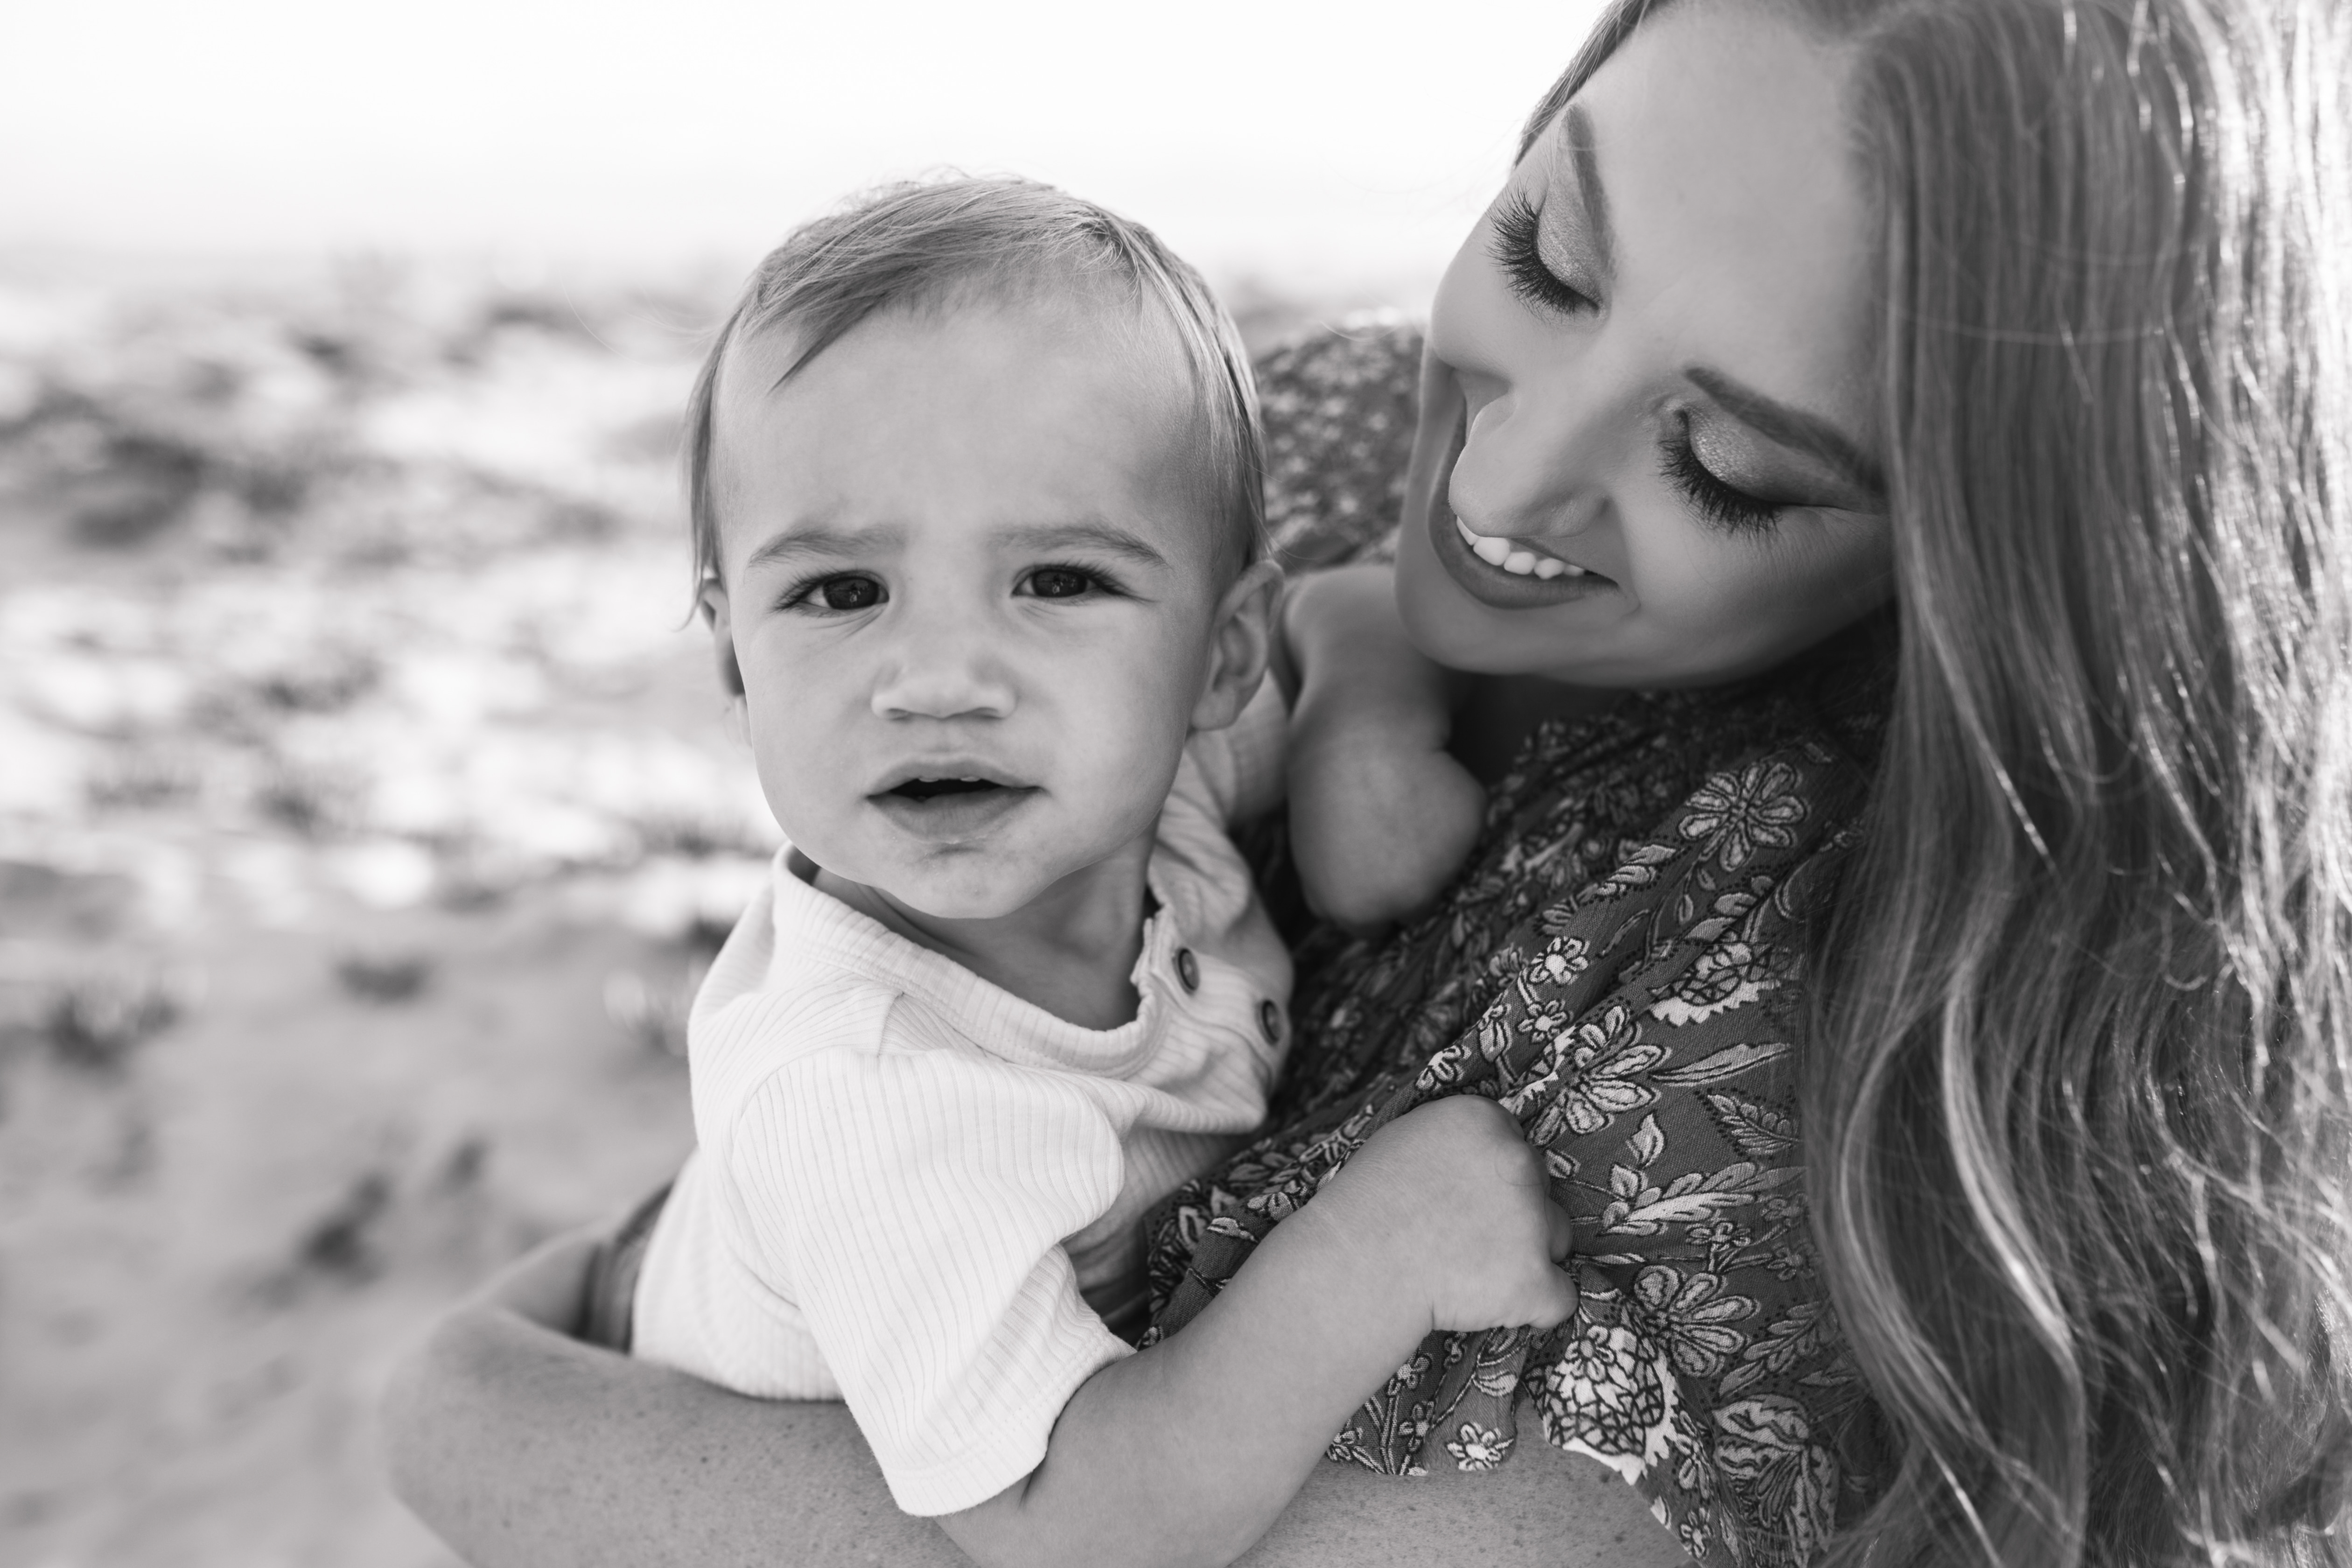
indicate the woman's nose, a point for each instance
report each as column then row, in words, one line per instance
column 943, row 672
column 1536, row 458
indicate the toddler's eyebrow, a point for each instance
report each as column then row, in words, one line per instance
column 1103, row 536
column 795, row 543
column 798, row 541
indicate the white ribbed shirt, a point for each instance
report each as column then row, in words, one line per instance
column 905, row 1175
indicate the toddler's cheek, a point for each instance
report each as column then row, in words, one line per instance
column 812, row 823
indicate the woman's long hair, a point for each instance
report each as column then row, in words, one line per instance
column 2078, row 1112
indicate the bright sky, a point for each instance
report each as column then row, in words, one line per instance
column 1325, row 141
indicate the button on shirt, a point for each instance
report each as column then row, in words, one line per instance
column 910, row 1183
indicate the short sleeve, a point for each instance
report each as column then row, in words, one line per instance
column 917, row 1201
column 1240, row 764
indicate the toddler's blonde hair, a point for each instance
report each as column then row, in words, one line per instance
column 922, row 242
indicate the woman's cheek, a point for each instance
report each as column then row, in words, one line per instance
column 1434, row 611
column 1704, row 603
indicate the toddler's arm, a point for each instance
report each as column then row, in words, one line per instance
column 1186, row 1452
column 1380, row 817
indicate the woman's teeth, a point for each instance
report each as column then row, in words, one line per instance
column 1519, row 563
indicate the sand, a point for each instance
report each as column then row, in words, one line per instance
column 364, row 812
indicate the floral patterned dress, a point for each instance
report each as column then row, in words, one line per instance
column 1617, row 966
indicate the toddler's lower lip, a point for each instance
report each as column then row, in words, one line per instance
column 1493, row 585
column 948, row 818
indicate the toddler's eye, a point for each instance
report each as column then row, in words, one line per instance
column 849, row 593
column 1061, row 583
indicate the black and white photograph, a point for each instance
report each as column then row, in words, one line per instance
column 1060, row 785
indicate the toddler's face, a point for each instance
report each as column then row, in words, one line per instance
column 969, row 590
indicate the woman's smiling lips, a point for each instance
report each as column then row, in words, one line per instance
column 1504, row 573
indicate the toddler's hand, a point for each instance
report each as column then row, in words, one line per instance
column 1380, row 817
column 1378, row 822
column 1456, row 1198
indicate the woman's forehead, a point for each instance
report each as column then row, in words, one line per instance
column 1737, row 220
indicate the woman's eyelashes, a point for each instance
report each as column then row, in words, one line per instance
column 1517, row 251
column 1724, row 505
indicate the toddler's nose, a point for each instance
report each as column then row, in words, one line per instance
column 943, row 679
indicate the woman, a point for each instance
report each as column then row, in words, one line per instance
column 2032, row 317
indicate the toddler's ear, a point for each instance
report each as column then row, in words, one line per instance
column 714, row 608
column 1240, row 640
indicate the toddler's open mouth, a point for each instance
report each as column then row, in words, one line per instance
column 947, row 808
column 930, row 789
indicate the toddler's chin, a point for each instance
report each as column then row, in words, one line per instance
column 969, row 892
column 958, row 905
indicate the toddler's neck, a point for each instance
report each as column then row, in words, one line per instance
column 1071, row 950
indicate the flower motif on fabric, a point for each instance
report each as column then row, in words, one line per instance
column 1348, row 1448
column 1728, row 976
column 1544, row 1019
column 1606, row 1397
column 1476, row 1448
column 1692, row 1315
column 1595, row 1078
column 1563, row 958
column 1739, row 814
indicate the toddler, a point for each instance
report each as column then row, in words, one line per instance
column 973, row 475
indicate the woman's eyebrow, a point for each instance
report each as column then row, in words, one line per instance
column 1792, row 427
column 1583, row 152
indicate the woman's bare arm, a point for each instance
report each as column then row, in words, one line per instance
column 1545, row 1506
column 524, row 1447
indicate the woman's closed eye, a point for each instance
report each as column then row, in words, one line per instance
column 1725, row 505
column 1517, row 251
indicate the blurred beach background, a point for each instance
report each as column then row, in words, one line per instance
column 366, row 814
